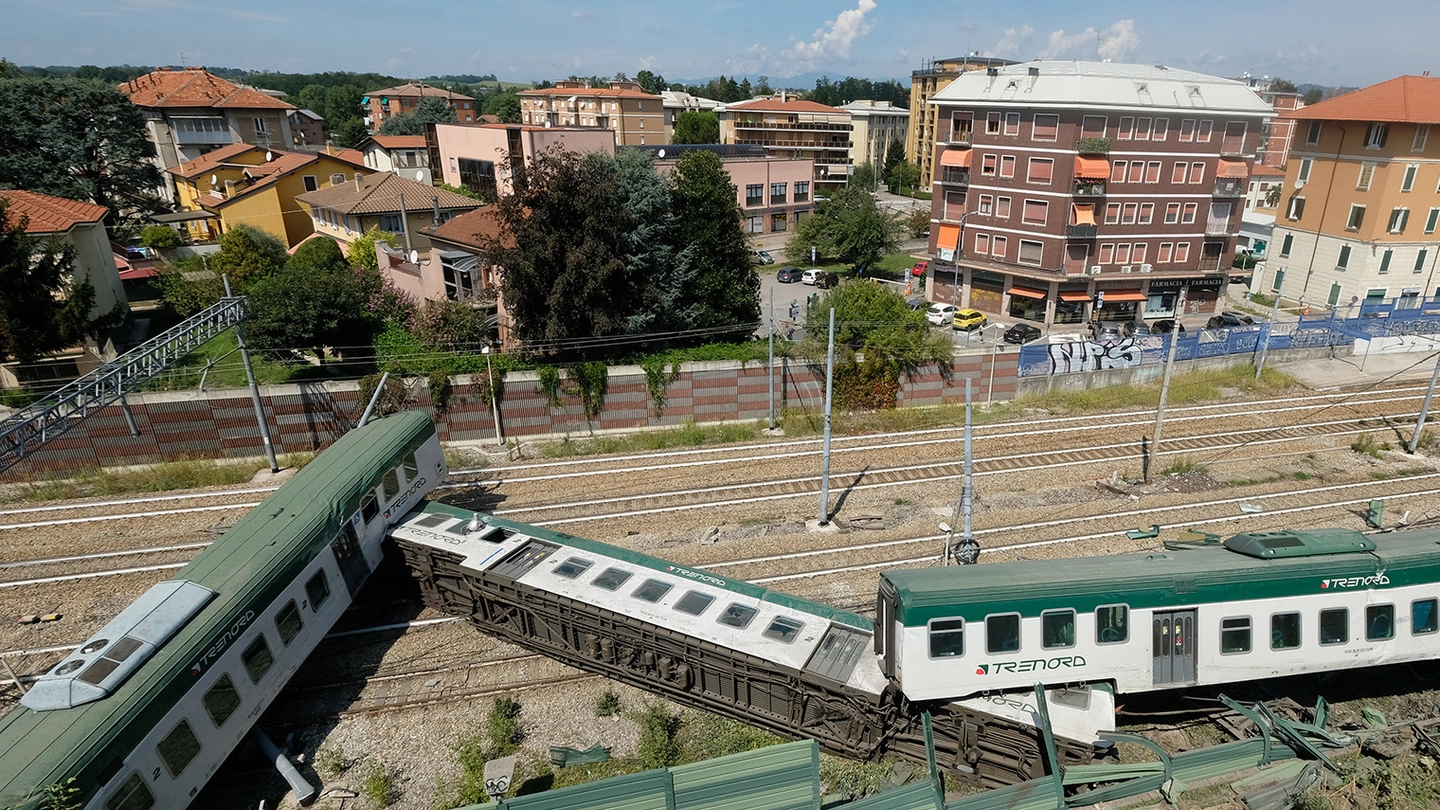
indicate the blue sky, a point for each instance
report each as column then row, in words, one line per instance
column 1326, row 42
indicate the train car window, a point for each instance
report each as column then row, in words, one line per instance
column 221, row 700
column 1285, row 631
column 694, row 603
column 1334, row 626
column 611, row 579
column 1235, row 635
column 390, row 485
column 368, row 507
column 318, row 589
column 1002, row 633
column 133, row 794
column 947, row 638
column 651, row 590
column 412, row 468
column 573, row 567
column 288, row 622
column 1379, row 622
column 783, row 629
column 178, row 748
column 1422, row 617
column 737, row 616
column 1057, row 629
column 258, row 659
column 1112, row 624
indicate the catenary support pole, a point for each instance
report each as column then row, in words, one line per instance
column 825, row 453
column 1269, row 330
column 130, row 417
column 969, row 549
column 254, row 388
column 374, row 398
column 1425, row 408
column 494, row 403
column 771, row 367
column 1164, row 392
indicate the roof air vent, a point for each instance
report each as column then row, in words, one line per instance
column 1034, row 71
column 992, row 71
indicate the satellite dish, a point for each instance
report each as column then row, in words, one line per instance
column 269, row 157
column 419, row 175
column 414, row 257
column 214, row 179
column 547, row 124
column 1299, row 184
column 660, row 154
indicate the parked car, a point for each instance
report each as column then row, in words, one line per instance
column 1165, row 326
column 1108, row 333
column 1022, row 333
column 1229, row 320
column 761, row 257
column 919, row 268
column 916, row 303
column 967, row 320
column 812, row 277
column 788, row 275
column 940, row 314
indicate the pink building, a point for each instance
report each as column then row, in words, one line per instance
column 480, row 156
column 1276, row 134
column 773, row 193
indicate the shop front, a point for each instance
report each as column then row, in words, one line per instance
column 1202, row 296
column 1120, row 304
column 1028, row 303
column 987, row 291
column 1071, row 306
column 1163, row 297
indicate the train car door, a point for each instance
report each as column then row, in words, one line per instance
column 351, row 559
column 1174, row 646
column 885, row 628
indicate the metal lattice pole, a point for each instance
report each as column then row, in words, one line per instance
column 825, row 453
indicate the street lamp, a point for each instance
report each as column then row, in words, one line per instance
column 494, row 406
column 959, row 253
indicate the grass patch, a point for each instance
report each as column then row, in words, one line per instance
column 501, row 737
column 854, row 779
column 707, row 736
column 659, row 729
column 608, row 705
column 1367, row 445
column 1205, row 385
column 687, row 435
column 377, row 785
column 187, row 473
column 228, row 370
column 1183, row 466
column 331, row 761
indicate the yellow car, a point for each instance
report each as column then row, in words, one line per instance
column 968, row 319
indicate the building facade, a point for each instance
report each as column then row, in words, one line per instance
column 1275, row 138
column 405, row 100
column 483, row 158
column 404, row 155
column 1360, row 206
column 1068, row 191
column 675, row 102
column 386, row 201
column 933, row 76
column 635, row 116
column 773, row 193
column 874, row 125
column 791, row 128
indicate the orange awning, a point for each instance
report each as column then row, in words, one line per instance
column 956, row 157
column 1084, row 214
column 1231, row 168
column 1078, row 295
column 1027, row 292
column 1124, row 295
column 1092, row 168
column 949, row 237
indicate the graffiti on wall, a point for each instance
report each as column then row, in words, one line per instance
column 1066, row 358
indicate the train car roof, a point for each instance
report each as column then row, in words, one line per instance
column 1247, row 566
column 261, row 553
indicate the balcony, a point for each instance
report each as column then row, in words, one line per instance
column 1088, row 188
column 1093, row 146
column 1081, row 231
column 1218, row 227
column 806, row 125
column 954, row 176
column 1229, row 187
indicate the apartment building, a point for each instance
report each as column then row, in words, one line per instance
column 483, row 157
column 675, row 102
column 792, row 128
column 405, row 100
column 635, row 116
column 933, row 76
column 1073, row 190
column 1278, row 132
column 1360, row 205
column 387, row 201
column 404, row 155
column 874, row 124
column 773, row 193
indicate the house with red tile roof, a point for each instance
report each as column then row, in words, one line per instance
column 405, row 155
column 635, row 116
column 405, row 99
column 388, row 201
column 190, row 112
column 790, row 127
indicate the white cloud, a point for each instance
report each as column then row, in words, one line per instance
column 834, row 39
column 647, row 63
column 1116, row 42
column 1009, row 45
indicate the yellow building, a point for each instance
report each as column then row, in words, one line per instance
column 932, row 77
column 1360, row 205
column 635, row 116
column 249, row 185
column 386, row 201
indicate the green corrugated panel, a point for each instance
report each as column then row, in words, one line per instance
column 777, row 777
column 647, row 790
column 917, row 796
column 1037, row 794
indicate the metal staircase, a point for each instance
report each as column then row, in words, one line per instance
column 24, row 431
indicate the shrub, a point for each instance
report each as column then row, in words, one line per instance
column 608, row 705
column 159, row 237
column 658, row 730
column 378, row 785
column 502, row 727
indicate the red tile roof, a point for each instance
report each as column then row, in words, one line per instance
column 605, row 92
column 789, row 105
column 470, row 228
column 1404, row 99
column 354, row 156
column 399, row 141
column 413, row 89
column 196, row 87
column 381, row 193
column 212, row 159
column 46, row 214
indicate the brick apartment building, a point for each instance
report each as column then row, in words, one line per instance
column 635, row 116
column 1074, row 190
column 933, row 76
column 405, row 100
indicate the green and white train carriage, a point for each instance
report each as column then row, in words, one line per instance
column 1256, row 606
column 145, row 711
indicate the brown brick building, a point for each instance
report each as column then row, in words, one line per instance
column 405, row 100
column 1066, row 191
column 635, row 116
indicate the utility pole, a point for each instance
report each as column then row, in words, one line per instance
column 1164, row 392
column 1269, row 329
column 254, row 388
column 825, row 453
column 969, row 549
column 1425, row 408
column 772, row 358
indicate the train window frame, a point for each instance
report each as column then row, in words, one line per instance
column 783, row 629
column 175, row 742
column 1048, row 614
column 648, row 587
column 223, row 685
column 573, row 567
column 251, row 659
column 411, row 466
column 132, row 788
column 390, row 484
column 317, row 590
column 285, row 618
column 944, row 635
column 1231, row 626
column 737, row 616
column 686, row 603
column 1298, row 635
column 1374, row 613
column 1344, row 613
column 1433, row 625
column 1124, row 627
column 617, row 578
column 991, row 636
column 369, row 506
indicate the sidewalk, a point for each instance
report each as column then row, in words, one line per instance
column 1359, row 371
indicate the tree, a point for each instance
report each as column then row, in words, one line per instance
column 342, row 103
column 349, row 134
column 504, row 105
column 653, row 83
column 435, row 110
column 848, row 227
column 362, row 249
column 159, row 237
column 904, row 176
column 1272, row 196
column 80, row 140
column 894, row 154
column 697, row 126
column 1313, row 96
column 316, row 301
column 43, row 310
column 762, row 86
column 248, row 254
column 312, row 98
column 723, row 290
column 863, row 177
column 1279, row 85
